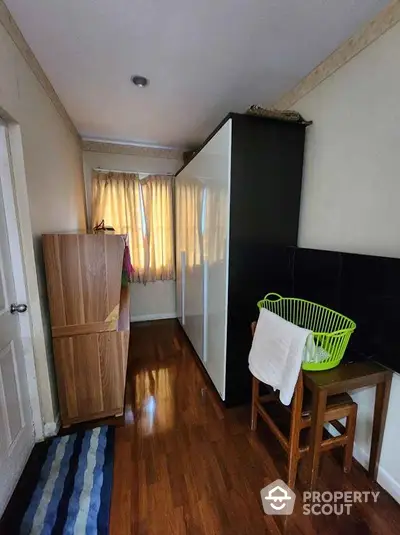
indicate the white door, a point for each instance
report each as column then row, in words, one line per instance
column 16, row 427
column 216, row 162
column 180, row 254
column 189, row 195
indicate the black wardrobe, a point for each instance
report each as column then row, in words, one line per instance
column 238, row 196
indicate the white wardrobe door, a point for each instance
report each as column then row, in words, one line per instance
column 179, row 255
column 189, row 195
column 216, row 165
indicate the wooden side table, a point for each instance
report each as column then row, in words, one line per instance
column 337, row 381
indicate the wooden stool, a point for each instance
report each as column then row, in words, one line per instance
column 338, row 406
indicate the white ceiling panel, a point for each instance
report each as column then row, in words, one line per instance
column 203, row 58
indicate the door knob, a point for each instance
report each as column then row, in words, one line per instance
column 18, row 308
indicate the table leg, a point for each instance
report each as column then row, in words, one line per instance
column 380, row 411
column 316, row 432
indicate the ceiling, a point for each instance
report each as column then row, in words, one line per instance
column 204, row 58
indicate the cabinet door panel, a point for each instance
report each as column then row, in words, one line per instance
column 180, row 253
column 217, row 161
column 90, row 374
column 83, row 274
column 202, row 235
column 189, row 251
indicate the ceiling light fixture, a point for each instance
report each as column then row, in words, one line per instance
column 139, row 81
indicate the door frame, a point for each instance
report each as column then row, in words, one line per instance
column 20, row 232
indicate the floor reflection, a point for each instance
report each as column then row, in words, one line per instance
column 155, row 400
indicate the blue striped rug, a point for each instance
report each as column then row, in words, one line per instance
column 73, row 492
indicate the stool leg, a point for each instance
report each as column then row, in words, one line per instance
column 294, row 435
column 292, row 470
column 350, row 431
column 254, row 398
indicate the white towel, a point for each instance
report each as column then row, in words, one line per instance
column 276, row 354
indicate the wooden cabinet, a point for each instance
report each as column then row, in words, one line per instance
column 89, row 312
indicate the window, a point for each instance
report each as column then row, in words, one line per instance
column 143, row 210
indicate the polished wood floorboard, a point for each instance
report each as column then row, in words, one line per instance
column 186, row 465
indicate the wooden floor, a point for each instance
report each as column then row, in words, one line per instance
column 186, row 465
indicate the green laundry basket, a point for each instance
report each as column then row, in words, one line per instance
column 330, row 329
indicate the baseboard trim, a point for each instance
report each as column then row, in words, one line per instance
column 153, row 317
column 50, row 429
column 384, row 479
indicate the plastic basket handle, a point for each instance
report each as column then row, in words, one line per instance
column 273, row 294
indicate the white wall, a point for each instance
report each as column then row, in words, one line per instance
column 55, row 187
column 155, row 300
column 351, row 191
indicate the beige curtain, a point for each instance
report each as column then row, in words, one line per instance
column 143, row 210
column 158, row 208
